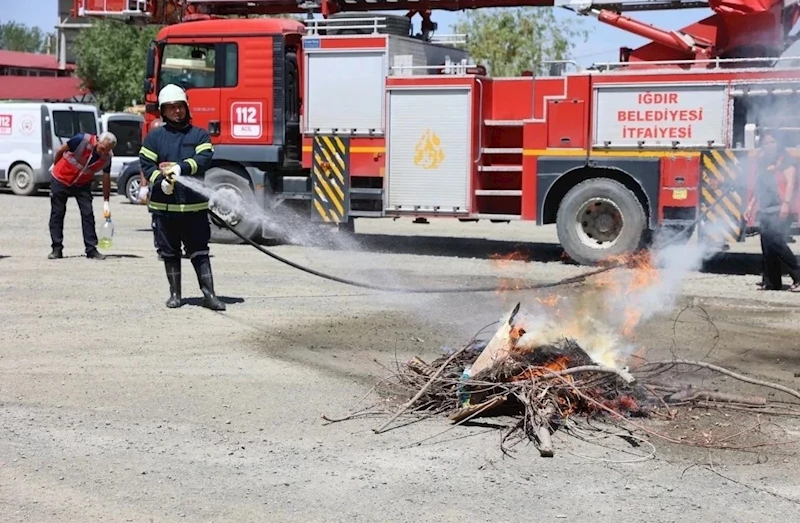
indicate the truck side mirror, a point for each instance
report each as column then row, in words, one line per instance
column 150, row 63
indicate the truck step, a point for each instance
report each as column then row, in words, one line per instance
column 497, row 192
column 503, row 123
column 365, row 214
column 363, row 193
column 503, row 217
column 500, row 168
column 502, row 150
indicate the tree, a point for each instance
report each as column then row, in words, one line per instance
column 510, row 41
column 111, row 60
column 19, row 37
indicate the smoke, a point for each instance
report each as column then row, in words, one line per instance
column 604, row 316
column 287, row 223
column 296, row 227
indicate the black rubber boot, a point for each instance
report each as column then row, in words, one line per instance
column 174, row 278
column 202, row 266
column 57, row 254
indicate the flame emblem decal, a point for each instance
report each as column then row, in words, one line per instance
column 428, row 153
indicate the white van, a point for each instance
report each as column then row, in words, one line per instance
column 127, row 127
column 29, row 135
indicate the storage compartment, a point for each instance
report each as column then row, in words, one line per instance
column 345, row 92
column 429, row 150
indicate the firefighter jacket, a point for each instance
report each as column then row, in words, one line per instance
column 76, row 168
column 190, row 148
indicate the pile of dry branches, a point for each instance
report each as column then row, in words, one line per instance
column 544, row 387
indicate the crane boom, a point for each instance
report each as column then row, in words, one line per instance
column 737, row 29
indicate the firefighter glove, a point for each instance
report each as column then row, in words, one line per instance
column 167, row 187
column 106, row 209
column 173, row 171
column 143, row 192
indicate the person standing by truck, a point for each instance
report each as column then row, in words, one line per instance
column 178, row 148
column 774, row 162
column 75, row 165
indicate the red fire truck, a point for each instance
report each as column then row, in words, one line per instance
column 353, row 116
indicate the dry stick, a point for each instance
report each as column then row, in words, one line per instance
column 353, row 415
column 732, row 374
column 769, row 409
column 708, row 395
column 543, row 430
column 488, row 406
column 624, row 375
column 423, row 389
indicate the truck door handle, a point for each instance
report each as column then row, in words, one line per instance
column 213, row 127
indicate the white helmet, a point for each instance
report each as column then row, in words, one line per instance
column 171, row 94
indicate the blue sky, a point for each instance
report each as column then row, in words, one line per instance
column 603, row 44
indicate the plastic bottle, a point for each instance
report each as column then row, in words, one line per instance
column 106, row 234
column 463, row 396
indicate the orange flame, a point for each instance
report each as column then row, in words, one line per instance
column 501, row 261
column 644, row 275
column 558, row 364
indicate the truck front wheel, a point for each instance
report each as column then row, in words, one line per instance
column 233, row 201
column 21, row 180
column 598, row 219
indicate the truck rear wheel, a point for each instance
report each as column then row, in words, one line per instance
column 233, row 201
column 598, row 219
column 21, row 180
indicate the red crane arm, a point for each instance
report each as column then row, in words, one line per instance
column 737, row 27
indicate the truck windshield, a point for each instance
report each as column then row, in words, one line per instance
column 190, row 66
column 67, row 124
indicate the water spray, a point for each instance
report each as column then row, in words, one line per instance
column 198, row 186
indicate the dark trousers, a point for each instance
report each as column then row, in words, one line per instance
column 59, row 193
column 775, row 251
column 191, row 229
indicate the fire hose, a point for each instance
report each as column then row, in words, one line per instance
column 219, row 222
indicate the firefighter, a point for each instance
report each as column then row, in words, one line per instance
column 180, row 215
column 144, row 191
column 773, row 209
column 75, row 165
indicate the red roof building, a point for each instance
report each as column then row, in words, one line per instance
column 37, row 77
column 43, row 62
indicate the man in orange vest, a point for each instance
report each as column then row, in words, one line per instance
column 74, row 167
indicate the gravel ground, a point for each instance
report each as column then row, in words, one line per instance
column 114, row 408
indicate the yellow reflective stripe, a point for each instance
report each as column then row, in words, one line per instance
column 204, row 147
column 154, row 176
column 178, row 207
column 147, row 153
column 188, row 207
column 192, row 164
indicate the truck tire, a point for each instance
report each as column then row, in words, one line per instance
column 233, row 200
column 598, row 219
column 21, row 180
column 131, row 187
column 339, row 24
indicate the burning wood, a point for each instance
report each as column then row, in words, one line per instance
column 545, row 385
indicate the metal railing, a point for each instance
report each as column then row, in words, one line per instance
column 716, row 63
column 314, row 26
column 134, row 8
column 449, row 68
column 558, row 67
column 453, row 39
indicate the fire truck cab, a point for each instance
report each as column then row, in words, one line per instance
column 306, row 123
